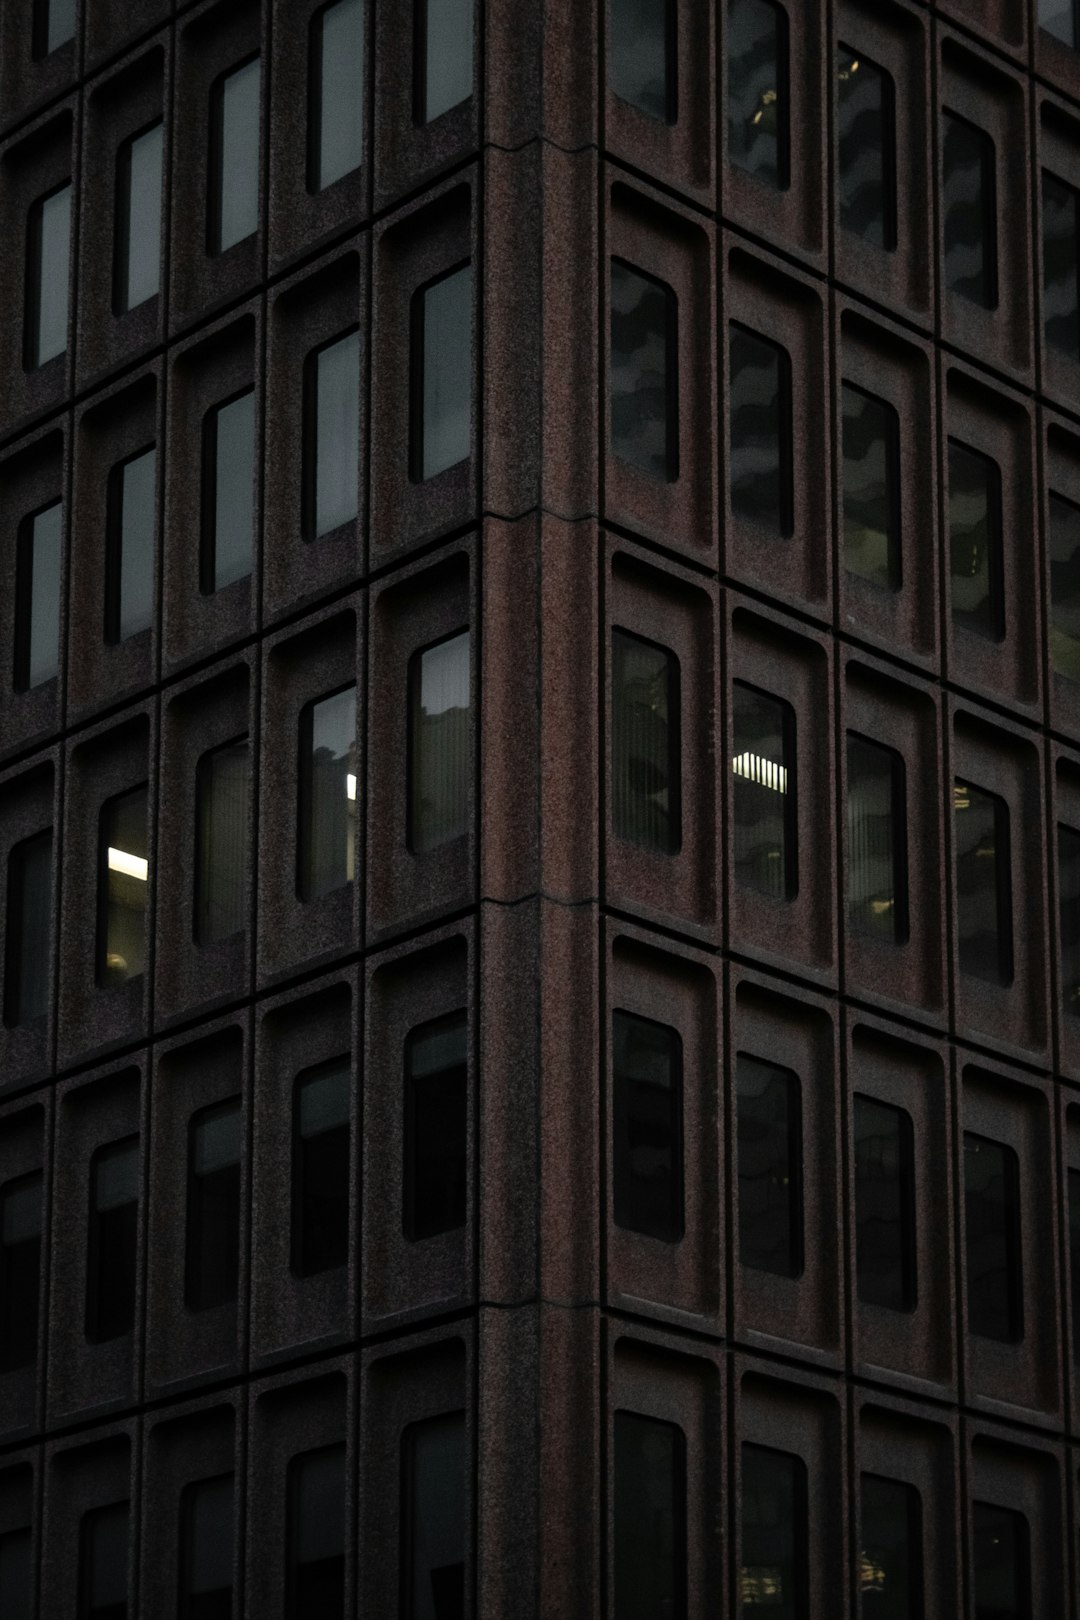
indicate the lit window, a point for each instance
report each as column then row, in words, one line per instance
column 433, row 1466
column 871, row 481
column 439, row 753
column 328, row 790
column 221, row 843
column 138, row 220
column 129, row 556
column 641, row 63
column 1001, row 1563
column 16, row 1574
column 757, row 45
column 37, row 597
column 53, row 26
column 866, row 138
column 315, row 1536
column 1068, row 849
column 103, row 1563
column 114, row 1220
column 646, row 769
column 644, row 382
column 969, row 211
column 995, row 1299
column 228, row 492
column 769, row 1167
column 206, row 1549
column 760, row 405
column 122, row 890
column 877, row 841
column 1065, row 587
column 975, row 561
column 211, row 1273
column 1074, row 1258
column 650, row 1518
column 331, row 435
column 336, row 101
column 983, row 884
column 320, row 1168
column 884, row 1205
column 234, row 157
column 1060, row 18
column 1061, row 265
column 21, row 1221
column 890, row 1552
column 647, row 1127
column 444, row 56
column 29, row 930
column 442, row 373
column 48, row 253
column 773, row 1573
column 764, row 770
column 436, row 1128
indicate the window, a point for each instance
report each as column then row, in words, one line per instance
column 444, row 56
column 335, row 93
column 884, row 1205
column 228, row 492
column 764, row 769
column 978, row 595
column 221, row 843
column 436, row 1128
column 111, row 1258
column 877, row 841
column 327, row 852
column 1061, row 265
column 1001, row 1563
column 138, row 220
column 647, row 1127
column 969, row 211
column 315, row 1535
column 433, row 1518
column 760, row 387
column 21, row 1221
column 206, row 1550
column 646, row 768
column 995, row 1301
column 442, row 373
column 773, row 1574
column 439, row 754
column 983, row 884
column 331, row 435
column 37, row 597
column 1068, row 842
column 641, row 63
column 871, row 489
column 890, row 1561
column 758, row 90
column 769, row 1131
column 866, row 140
column 103, row 1563
column 1059, row 17
column 129, row 556
column 233, row 192
column 53, row 26
column 1074, row 1258
column 644, row 380
column 650, row 1518
column 1065, row 587
column 122, row 888
column 320, row 1168
column 29, row 930
column 48, row 252
column 213, row 1207
column 16, row 1574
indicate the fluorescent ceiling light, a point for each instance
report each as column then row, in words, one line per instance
column 132, row 865
column 350, row 786
column 765, row 772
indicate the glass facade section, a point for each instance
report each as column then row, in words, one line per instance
column 1064, row 615
column 969, row 211
column 760, row 405
column 644, row 384
column 21, row 1223
column 315, row 1535
column 212, row 1266
column 757, row 48
column 228, row 519
column 320, row 1169
column 866, row 144
column 335, row 93
column 328, row 790
column 975, row 562
column 647, row 1127
column 763, row 766
column 646, row 770
column 103, row 1563
column 1068, row 852
column 642, row 56
column 995, row 1299
column 439, row 745
column 37, row 597
column 122, row 887
column 129, row 563
column 769, row 1154
column 332, row 436
column 773, row 1573
column 138, row 220
column 983, row 884
column 884, row 1205
column 112, row 1249
column 444, row 67
column 435, row 1179
column 234, row 157
column 206, row 1549
column 650, row 1518
column 221, row 843
column 442, row 373
column 890, row 1554
column 48, row 254
column 871, row 489
column 877, row 841
column 29, row 930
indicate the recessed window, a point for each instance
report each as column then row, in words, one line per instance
column 1061, row 265
column 757, row 46
column 650, row 1518
column 647, row 1127
column 760, row 405
column 37, row 597
column 1060, row 18
column 439, row 752
column 644, row 380
column 773, row 1573
column 871, row 489
column 763, row 766
column 1065, row 587
column 228, row 492
column 129, row 551
column 53, row 26
column 769, row 1167
column 16, row 1574
column 328, row 789
column 995, row 1299
column 442, row 373
column 29, row 930
column 212, row 1265
column 48, row 253
column 1001, row 1563
column 1068, row 851
column 969, row 211
column 331, row 435
column 221, row 842
column 983, row 884
column 103, row 1563
column 335, row 93
column 21, row 1222
column 436, row 1128
column 975, row 560
column 138, row 220
column 646, row 769
column 890, row 1553
column 1074, row 1258
column 866, row 141
column 206, row 1549
column 111, row 1251
column 234, row 157
column 433, row 1518
column 320, row 1168
column 884, row 1205
column 876, row 841
column 315, row 1535
column 444, row 56
column 642, row 56
column 122, row 887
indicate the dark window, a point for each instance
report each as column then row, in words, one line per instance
column 327, row 846
column 138, row 220
column 969, row 211
column 871, row 489
column 234, row 157
column 228, row 492
column 29, row 930
column 335, row 91
column 983, row 884
column 37, row 597
column 444, row 56
column 213, row 1207
column 647, row 1127
column 433, row 1519
column 884, row 1205
column 129, row 561
column 16, row 1575
column 1061, row 265
column 439, row 753
column 315, row 1537
column 1068, row 843
column 646, row 768
column 890, row 1555
column 992, row 1229
column 48, row 253
column 21, row 1221
column 773, row 1574
column 758, row 90
column 114, row 1222
column 320, row 1168
column 442, row 373
column 650, row 1519
column 769, row 1167
column 221, row 843
column 641, row 64
column 866, row 139
column 331, row 435
column 1074, row 1259
column 103, row 1563
column 764, row 769
column 436, row 1128
column 644, row 374
column 1001, row 1563
column 1065, row 587
column 206, row 1549
column 975, row 542
column 53, row 26
column 877, row 841
column 122, row 888
column 1059, row 17
column 760, row 385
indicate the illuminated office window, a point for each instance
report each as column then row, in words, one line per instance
column 129, row 549
column 233, row 192
column 433, row 1466
column 439, row 753
column 969, row 211
column 331, row 435
column 138, row 220
column 315, row 1535
column 122, row 890
column 444, row 56
column 876, row 841
column 212, row 1264
column 646, row 768
column 769, row 1156
column 871, row 484
column 773, row 1574
column 866, row 139
column 48, row 254
column 37, row 597
column 442, row 373
column 29, row 930
column 647, row 1127
column 650, row 1518
column 328, row 790
column 644, row 382
column 760, row 423
column 890, row 1552
column 111, row 1255
column 983, row 884
column 435, row 1180
column 995, row 1297
column 758, row 114
column 228, row 492
column 884, row 1205
column 320, row 1168
column 975, row 560
column 642, row 56
column 763, row 766
column 21, row 1223
column 335, row 93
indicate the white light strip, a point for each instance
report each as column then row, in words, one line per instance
column 765, row 772
column 132, row 865
column 350, row 786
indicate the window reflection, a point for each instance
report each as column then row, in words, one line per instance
column 866, row 138
column 48, row 251
column 444, row 67
column 969, row 211
column 975, row 561
column 871, row 434
column 876, row 841
column 773, row 1570
column 335, row 91
column 757, row 45
column 641, row 61
column 761, row 471
column 228, row 473
column 234, row 157
column 1059, row 17
column 647, row 1127
column 37, row 597
column 890, row 1553
column 138, row 220
column 442, row 378
column 1068, row 850
column 332, row 435
column 129, row 560
column 644, row 384
column 328, row 794
column 1061, row 265
column 53, row 26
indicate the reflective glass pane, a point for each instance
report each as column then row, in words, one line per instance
column 138, row 219
column 48, row 255
column 436, row 1125
column 650, row 1519
column 646, row 806
column 1065, row 587
column 983, row 884
column 975, row 542
column 444, row 56
column 434, row 1467
column 760, row 389
column 328, row 788
column 125, row 871
column 647, row 1127
column 772, row 1575
column 29, row 930
column 37, row 596
column 228, row 492
column 1000, row 1563
column 316, row 1535
column 21, row 1218
column 337, row 93
column 641, row 56
column 129, row 586
column 54, row 25
column 884, row 1205
column 320, row 1178
column 992, row 1240
column 1061, row 265
column 1074, row 1259
column 111, row 1258
column 442, row 374
column 221, row 843
column 440, row 756
column 769, row 1167
column 876, row 841
column 763, row 765
column 890, row 1554
column 969, row 211
column 213, row 1207
column 234, row 166
column 866, row 137
column 16, row 1575
column 103, row 1560
column 1058, row 17
column 332, row 400
column 871, row 489
column 644, row 424
column 206, row 1557
column 757, row 46
column 1068, row 851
